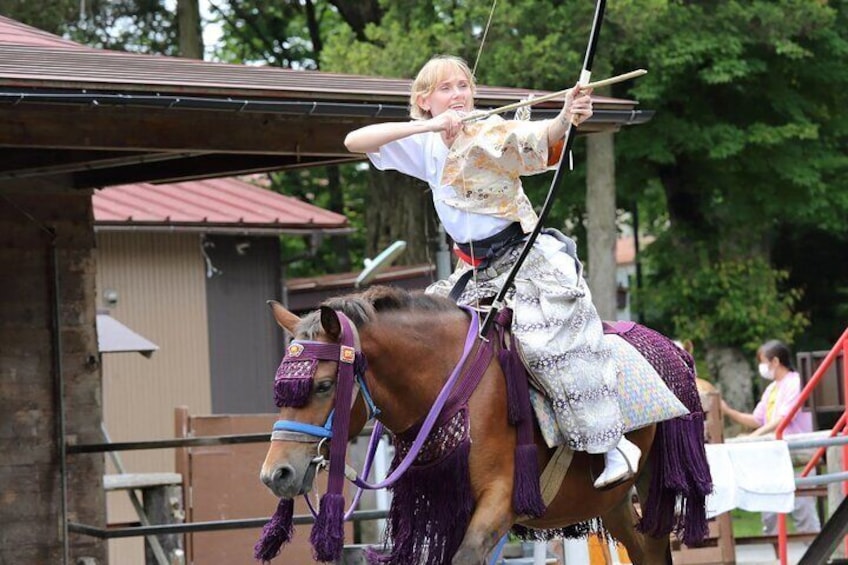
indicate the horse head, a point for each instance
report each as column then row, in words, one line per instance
column 306, row 386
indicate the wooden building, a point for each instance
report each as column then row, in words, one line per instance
column 190, row 265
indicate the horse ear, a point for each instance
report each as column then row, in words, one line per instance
column 284, row 318
column 330, row 323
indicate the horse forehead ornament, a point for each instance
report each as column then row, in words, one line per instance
column 294, row 377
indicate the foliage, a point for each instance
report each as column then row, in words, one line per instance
column 306, row 256
column 142, row 26
column 738, row 300
column 745, row 99
column 51, row 16
column 273, row 33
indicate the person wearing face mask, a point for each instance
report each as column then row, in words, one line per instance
column 775, row 365
column 473, row 170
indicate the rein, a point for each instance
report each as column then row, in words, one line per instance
column 474, row 373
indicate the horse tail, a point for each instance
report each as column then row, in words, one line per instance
column 680, row 474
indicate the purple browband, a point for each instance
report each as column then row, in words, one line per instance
column 293, row 381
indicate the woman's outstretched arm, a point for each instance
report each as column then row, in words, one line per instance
column 369, row 139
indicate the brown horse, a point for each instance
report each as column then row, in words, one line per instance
column 412, row 342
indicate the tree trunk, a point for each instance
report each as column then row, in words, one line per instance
column 340, row 243
column 188, row 23
column 732, row 372
column 359, row 14
column 601, row 232
column 400, row 207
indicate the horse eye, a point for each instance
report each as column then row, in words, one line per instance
column 323, row 386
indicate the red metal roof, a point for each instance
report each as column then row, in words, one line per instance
column 213, row 205
column 15, row 33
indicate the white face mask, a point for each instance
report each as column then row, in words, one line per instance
column 766, row 372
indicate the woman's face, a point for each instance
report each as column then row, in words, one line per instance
column 451, row 92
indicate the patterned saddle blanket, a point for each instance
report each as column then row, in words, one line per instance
column 643, row 396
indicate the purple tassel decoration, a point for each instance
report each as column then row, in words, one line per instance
column 673, row 485
column 276, row 533
column 526, row 491
column 327, row 535
column 680, row 479
column 430, row 512
column 292, row 392
column 512, row 367
column 526, row 494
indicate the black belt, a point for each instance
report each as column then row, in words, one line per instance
column 486, row 250
column 489, row 247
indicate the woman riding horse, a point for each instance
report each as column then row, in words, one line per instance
column 457, row 499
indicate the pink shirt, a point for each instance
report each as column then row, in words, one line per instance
column 788, row 391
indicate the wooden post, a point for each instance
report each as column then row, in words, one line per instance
column 160, row 502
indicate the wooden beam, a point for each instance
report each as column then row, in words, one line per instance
column 28, row 162
column 154, row 129
column 206, row 166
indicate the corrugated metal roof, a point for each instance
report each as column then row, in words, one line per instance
column 16, row 33
column 214, row 203
column 31, row 61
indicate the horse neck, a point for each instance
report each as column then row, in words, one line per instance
column 410, row 356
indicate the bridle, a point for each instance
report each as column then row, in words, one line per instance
column 293, row 388
column 293, row 384
column 301, row 362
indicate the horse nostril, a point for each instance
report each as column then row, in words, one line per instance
column 281, row 477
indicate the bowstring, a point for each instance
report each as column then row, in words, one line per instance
column 483, row 39
column 467, row 221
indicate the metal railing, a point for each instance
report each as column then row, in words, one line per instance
column 841, row 347
column 149, row 530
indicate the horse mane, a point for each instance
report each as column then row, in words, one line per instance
column 362, row 308
column 386, row 298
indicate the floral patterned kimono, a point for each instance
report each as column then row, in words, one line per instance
column 476, row 184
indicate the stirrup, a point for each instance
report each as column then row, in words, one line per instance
column 617, row 480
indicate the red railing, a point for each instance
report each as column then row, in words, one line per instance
column 841, row 346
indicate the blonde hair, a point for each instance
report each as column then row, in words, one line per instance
column 434, row 71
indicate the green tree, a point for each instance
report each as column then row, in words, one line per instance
column 746, row 145
column 142, row 26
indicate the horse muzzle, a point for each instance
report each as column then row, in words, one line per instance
column 285, row 481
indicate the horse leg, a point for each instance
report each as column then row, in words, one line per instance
column 620, row 521
column 491, row 520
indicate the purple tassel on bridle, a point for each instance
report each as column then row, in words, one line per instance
column 292, row 392
column 327, row 535
column 293, row 382
column 276, row 533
